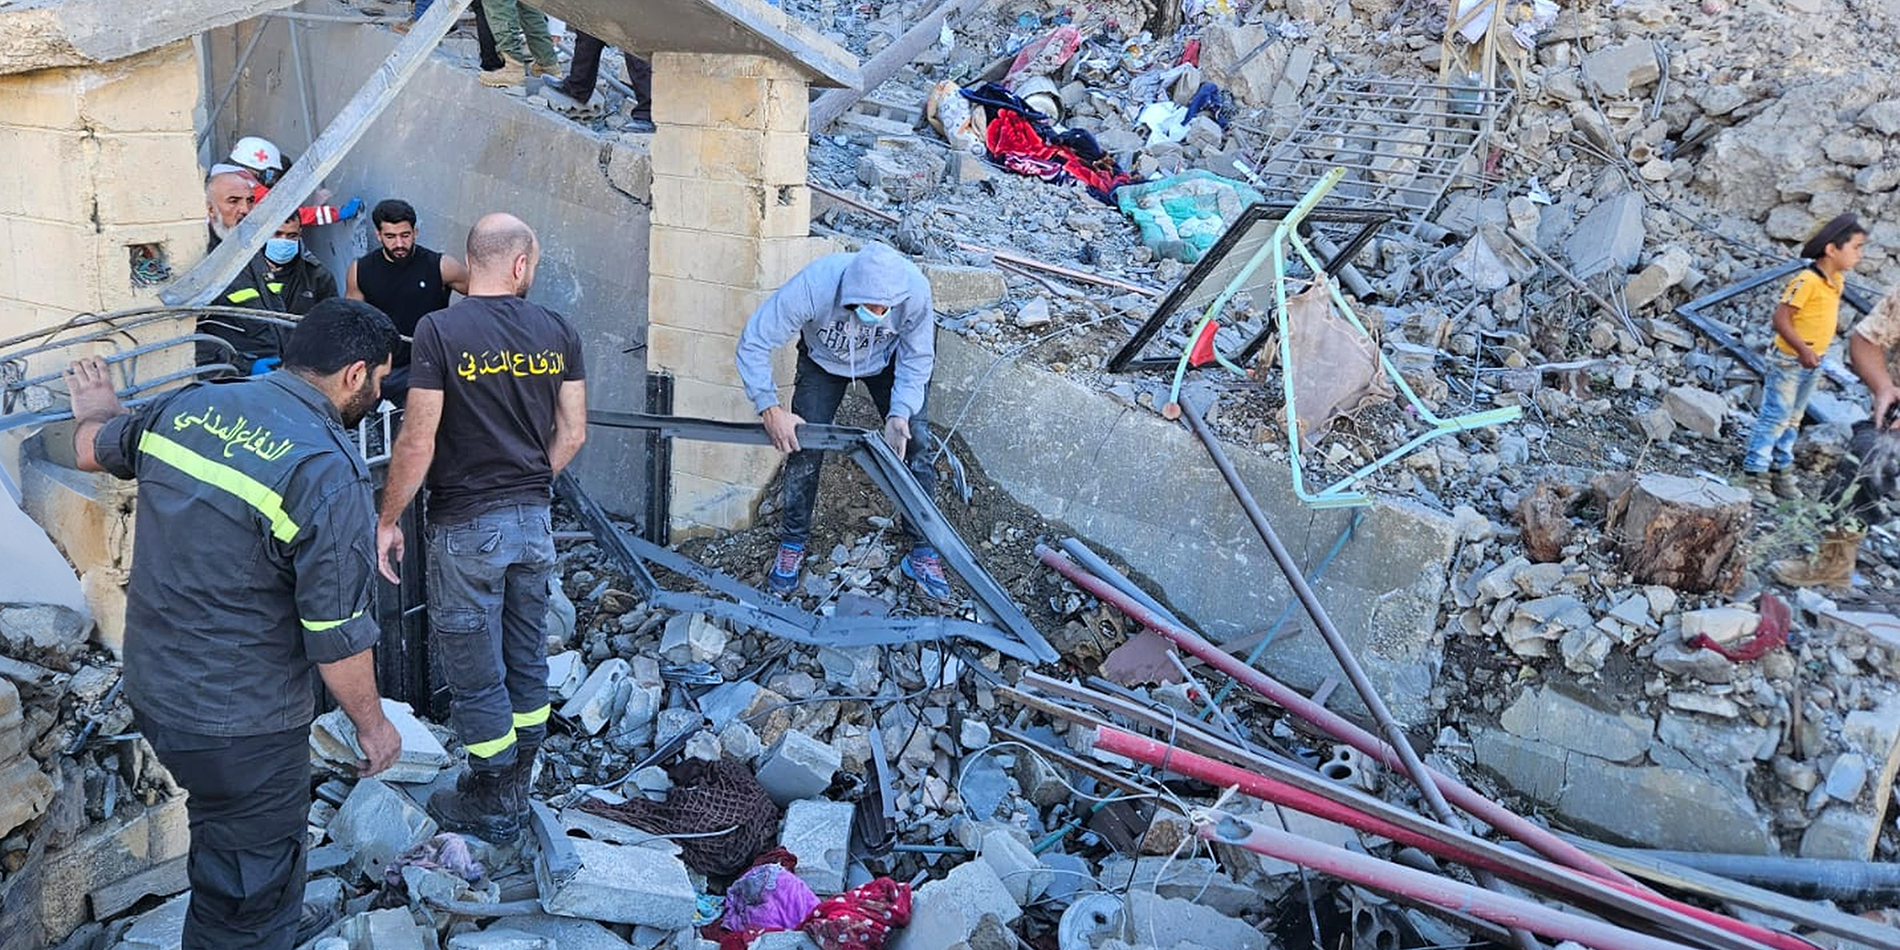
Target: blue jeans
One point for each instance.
(488, 606)
(1784, 400)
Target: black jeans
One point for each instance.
(584, 71)
(485, 39)
(249, 804)
(816, 394)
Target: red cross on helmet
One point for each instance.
(257, 154)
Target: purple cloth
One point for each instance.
(768, 897)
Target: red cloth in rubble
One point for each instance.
(1014, 142)
(861, 918)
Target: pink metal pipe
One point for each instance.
(1333, 724)
(1426, 887)
(1227, 775)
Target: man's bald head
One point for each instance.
(228, 198)
(502, 254)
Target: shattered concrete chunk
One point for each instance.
(1196, 879)
(566, 933)
(1841, 832)
(1616, 71)
(1551, 716)
(1610, 237)
(905, 168)
(1153, 920)
(593, 702)
(566, 672)
(1696, 409)
(798, 766)
(162, 928)
(957, 289)
(819, 833)
(1021, 872)
(500, 937)
(377, 824)
(944, 912)
(1846, 777)
(692, 638)
(627, 885)
(333, 738)
(1724, 625)
(392, 929)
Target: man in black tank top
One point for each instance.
(404, 280)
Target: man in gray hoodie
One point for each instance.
(863, 316)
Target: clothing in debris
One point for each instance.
(723, 813)
(861, 918)
(255, 530)
(767, 897)
(291, 288)
(1022, 140)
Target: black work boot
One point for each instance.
(482, 803)
(521, 778)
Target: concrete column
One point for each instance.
(730, 223)
(94, 162)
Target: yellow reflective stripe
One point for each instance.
(245, 294)
(493, 747)
(219, 475)
(275, 287)
(318, 626)
(532, 717)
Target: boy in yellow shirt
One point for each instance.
(1805, 323)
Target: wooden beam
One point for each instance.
(204, 282)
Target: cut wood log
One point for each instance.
(1686, 533)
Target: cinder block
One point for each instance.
(781, 257)
(48, 174)
(737, 464)
(701, 306)
(708, 101)
(36, 245)
(154, 91)
(711, 400)
(686, 352)
(718, 207)
(786, 158)
(788, 106)
(43, 99)
(148, 178)
(702, 255)
(724, 66)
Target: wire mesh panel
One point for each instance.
(1400, 140)
(1247, 316)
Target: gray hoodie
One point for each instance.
(814, 304)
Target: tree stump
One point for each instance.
(1686, 533)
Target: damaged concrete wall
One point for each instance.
(1142, 488)
(456, 151)
(97, 167)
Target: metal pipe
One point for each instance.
(1331, 722)
(1100, 568)
(1709, 928)
(1335, 641)
(1812, 878)
(1514, 912)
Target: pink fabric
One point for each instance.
(767, 897)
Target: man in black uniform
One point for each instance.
(402, 279)
(283, 279)
(252, 568)
(497, 408)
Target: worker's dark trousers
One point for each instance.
(249, 806)
(488, 607)
(816, 394)
(584, 72)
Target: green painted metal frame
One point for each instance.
(1339, 493)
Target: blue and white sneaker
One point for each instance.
(782, 579)
(924, 566)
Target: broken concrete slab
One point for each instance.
(161, 928)
(333, 739)
(904, 168)
(955, 289)
(1088, 461)
(378, 823)
(1156, 921)
(501, 937)
(36, 36)
(1842, 832)
(1696, 409)
(43, 612)
(1018, 867)
(566, 672)
(627, 885)
(819, 833)
(593, 703)
(1724, 625)
(692, 638)
(798, 766)
(1616, 71)
(1549, 715)
(25, 791)
(943, 912)
(1609, 239)
(1196, 879)
(394, 928)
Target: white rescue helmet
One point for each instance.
(259, 155)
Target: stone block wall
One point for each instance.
(96, 161)
(730, 223)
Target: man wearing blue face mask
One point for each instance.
(865, 316)
(283, 278)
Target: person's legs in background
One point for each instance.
(640, 77)
(816, 394)
(584, 71)
(534, 32)
(485, 40)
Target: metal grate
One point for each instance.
(1400, 141)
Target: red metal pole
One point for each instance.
(1333, 724)
(1426, 887)
(1226, 775)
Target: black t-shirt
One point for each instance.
(406, 290)
(500, 363)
